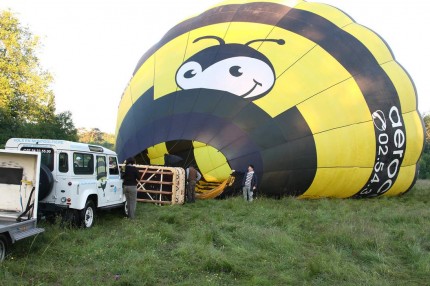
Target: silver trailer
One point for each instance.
(19, 189)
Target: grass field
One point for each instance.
(384, 241)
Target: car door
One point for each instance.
(102, 180)
(62, 178)
(115, 182)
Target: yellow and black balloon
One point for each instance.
(316, 102)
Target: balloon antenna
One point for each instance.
(278, 41)
(221, 41)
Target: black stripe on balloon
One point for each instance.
(142, 158)
(282, 148)
(183, 149)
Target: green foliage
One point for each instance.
(426, 120)
(24, 85)
(424, 163)
(58, 126)
(290, 241)
(27, 104)
(95, 136)
(424, 166)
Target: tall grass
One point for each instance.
(384, 241)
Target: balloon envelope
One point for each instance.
(316, 102)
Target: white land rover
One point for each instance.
(75, 178)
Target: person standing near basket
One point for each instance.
(193, 176)
(131, 178)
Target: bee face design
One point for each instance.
(234, 68)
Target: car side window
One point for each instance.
(63, 162)
(101, 167)
(83, 164)
(113, 166)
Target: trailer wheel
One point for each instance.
(4, 246)
(46, 181)
(88, 214)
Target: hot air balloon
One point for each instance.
(316, 102)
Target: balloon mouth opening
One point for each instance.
(208, 160)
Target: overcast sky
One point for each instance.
(92, 46)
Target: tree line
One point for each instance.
(424, 164)
(97, 137)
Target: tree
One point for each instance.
(424, 171)
(426, 120)
(95, 136)
(65, 126)
(59, 126)
(24, 85)
(27, 104)
(8, 126)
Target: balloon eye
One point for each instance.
(190, 74)
(234, 71)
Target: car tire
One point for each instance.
(46, 182)
(88, 215)
(4, 246)
(125, 209)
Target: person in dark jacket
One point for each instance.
(249, 184)
(131, 178)
(193, 176)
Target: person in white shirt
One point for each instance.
(249, 184)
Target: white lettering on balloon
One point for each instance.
(390, 152)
